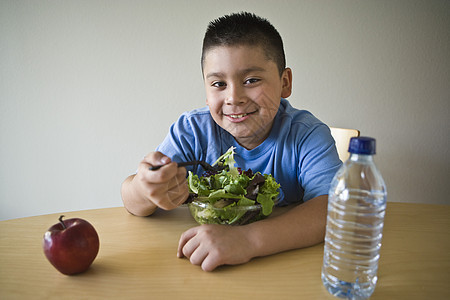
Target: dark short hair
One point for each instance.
(245, 29)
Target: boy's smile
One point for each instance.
(243, 91)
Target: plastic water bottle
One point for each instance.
(356, 209)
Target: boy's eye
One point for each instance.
(218, 84)
(251, 80)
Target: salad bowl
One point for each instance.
(231, 196)
(207, 213)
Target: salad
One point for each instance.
(231, 196)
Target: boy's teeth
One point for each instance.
(238, 116)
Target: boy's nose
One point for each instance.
(235, 95)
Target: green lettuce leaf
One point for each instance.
(229, 184)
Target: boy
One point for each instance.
(246, 85)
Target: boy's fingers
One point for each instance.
(168, 201)
(179, 180)
(198, 256)
(169, 195)
(156, 159)
(209, 263)
(162, 175)
(178, 194)
(185, 237)
(167, 173)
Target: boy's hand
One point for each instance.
(165, 188)
(210, 246)
(213, 245)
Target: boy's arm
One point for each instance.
(166, 187)
(213, 245)
(133, 202)
(302, 226)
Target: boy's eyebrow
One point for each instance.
(245, 71)
(214, 74)
(253, 69)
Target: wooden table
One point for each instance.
(137, 259)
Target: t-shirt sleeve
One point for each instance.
(179, 142)
(319, 162)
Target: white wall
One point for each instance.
(87, 88)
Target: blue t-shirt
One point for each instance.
(299, 152)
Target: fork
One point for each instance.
(204, 164)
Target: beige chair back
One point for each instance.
(342, 138)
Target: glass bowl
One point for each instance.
(206, 213)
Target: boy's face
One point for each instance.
(243, 91)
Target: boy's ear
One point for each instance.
(286, 79)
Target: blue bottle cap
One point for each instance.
(362, 145)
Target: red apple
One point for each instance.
(71, 245)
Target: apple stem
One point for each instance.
(61, 221)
